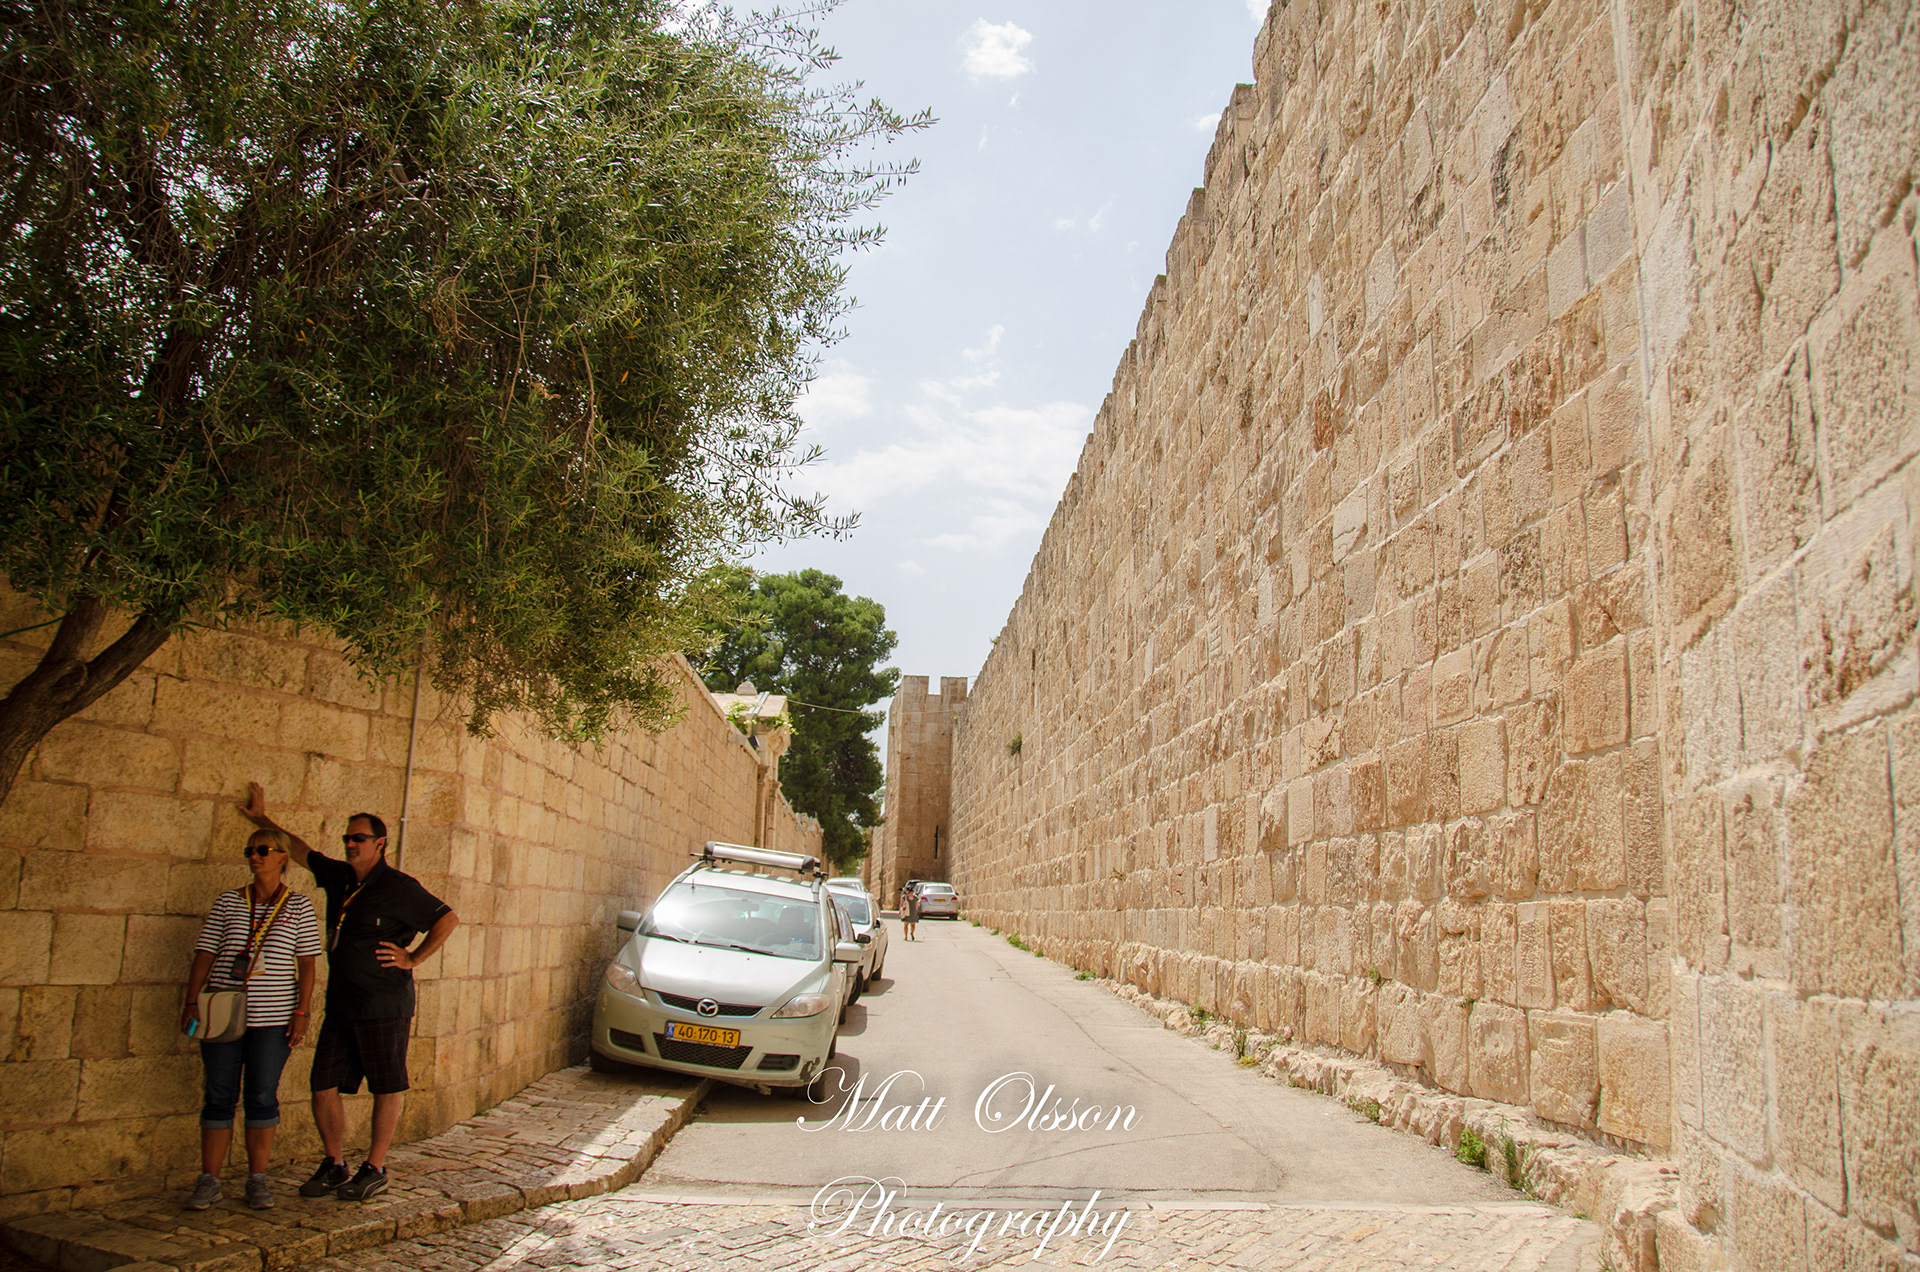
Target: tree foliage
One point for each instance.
(465, 328)
(800, 635)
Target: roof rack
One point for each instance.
(800, 863)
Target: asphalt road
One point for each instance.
(961, 1010)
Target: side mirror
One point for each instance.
(629, 920)
(863, 938)
(846, 952)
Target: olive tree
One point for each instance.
(468, 333)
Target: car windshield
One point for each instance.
(734, 919)
(856, 907)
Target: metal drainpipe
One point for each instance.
(406, 787)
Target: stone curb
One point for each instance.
(1631, 1198)
(569, 1135)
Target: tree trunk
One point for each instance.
(67, 682)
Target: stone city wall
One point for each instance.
(122, 830)
(1479, 635)
(916, 840)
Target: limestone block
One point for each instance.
(159, 948)
(26, 946)
(1857, 613)
(1448, 1043)
(1754, 896)
(1572, 983)
(1533, 749)
(1634, 1093)
(137, 822)
(1879, 1107)
(1733, 1063)
(324, 729)
(1844, 1246)
(65, 1155)
(39, 1092)
(1564, 1070)
(1766, 1220)
(236, 658)
(1582, 828)
(1848, 928)
(91, 881)
(44, 816)
(1483, 764)
(86, 949)
(1402, 1031)
(1805, 1103)
(190, 706)
(1617, 953)
(1779, 466)
(1699, 880)
(1596, 700)
(1499, 1053)
(1533, 955)
(78, 751)
(1644, 815)
(1700, 548)
(100, 1022)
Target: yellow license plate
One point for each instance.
(681, 1031)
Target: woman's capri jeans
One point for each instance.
(256, 1058)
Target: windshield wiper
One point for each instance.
(722, 945)
(662, 936)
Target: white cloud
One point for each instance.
(993, 52)
(1098, 221)
(837, 395)
(1005, 462)
(1204, 123)
(1257, 10)
(1063, 223)
(913, 569)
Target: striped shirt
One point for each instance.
(275, 992)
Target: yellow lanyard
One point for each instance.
(257, 934)
(340, 920)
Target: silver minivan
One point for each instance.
(738, 972)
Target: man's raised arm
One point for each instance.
(255, 811)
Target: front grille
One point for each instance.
(704, 1053)
(776, 1062)
(693, 1004)
(631, 1041)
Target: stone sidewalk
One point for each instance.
(635, 1231)
(572, 1134)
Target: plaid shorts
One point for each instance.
(349, 1050)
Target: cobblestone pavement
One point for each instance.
(630, 1230)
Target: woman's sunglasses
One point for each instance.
(258, 850)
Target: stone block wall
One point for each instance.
(1479, 634)
(916, 841)
(122, 830)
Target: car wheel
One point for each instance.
(815, 1092)
(606, 1064)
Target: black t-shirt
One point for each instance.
(388, 906)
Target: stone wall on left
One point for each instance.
(122, 830)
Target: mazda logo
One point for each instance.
(707, 1007)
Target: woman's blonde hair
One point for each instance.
(278, 838)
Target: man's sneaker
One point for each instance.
(330, 1176)
(369, 1183)
(206, 1191)
(259, 1196)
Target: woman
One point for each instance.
(909, 910)
(262, 938)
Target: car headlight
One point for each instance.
(802, 1005)
(623, 978)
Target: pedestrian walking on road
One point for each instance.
(374, 913)
(909, 911)
(255, 960)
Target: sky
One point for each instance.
(1015, 264)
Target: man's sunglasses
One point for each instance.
(357, 839)
(258, 850)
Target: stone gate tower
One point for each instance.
(913, 842)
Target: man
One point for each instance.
(374, 912)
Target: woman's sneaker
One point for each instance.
(330, 1176)
(206, 1191)
(259, 1196)
(369, 1183)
